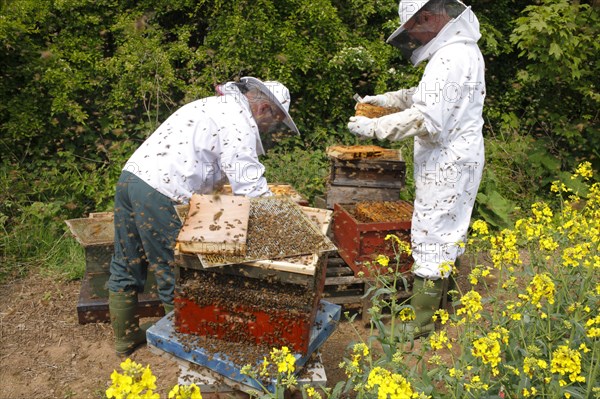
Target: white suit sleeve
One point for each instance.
(400, 99)
(239, 161)
(400, 125)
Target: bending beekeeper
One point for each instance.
(444, 115)
(198, 148)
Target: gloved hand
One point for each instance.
(362, 126)
(379, 100)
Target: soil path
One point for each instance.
(46, 353)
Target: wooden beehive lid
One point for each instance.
(215, 225)
(97, 229)
(342, 152)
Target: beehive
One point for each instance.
(225, 360)
(247, 310)
(360, 241)
(96, 235)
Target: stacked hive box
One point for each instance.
(246, 310)
(268, 303)
(360, 232)
(96, 235)
(361, 173)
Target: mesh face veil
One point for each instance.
(409, 9)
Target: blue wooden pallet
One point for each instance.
(163, 336)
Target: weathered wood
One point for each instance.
(342, 280)
(384, 173)
(339, 271)
(345, 300)
(360, 151)
(352, 195)
(279, 268)
(215, 225)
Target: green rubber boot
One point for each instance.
(426, 301)
(168, 307)
(125, 322)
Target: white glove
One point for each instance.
(380, 100)
(392, 99)
(362, 126)
(394, 127)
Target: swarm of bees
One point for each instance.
(383, 211)
(236, 302)
(277, 228)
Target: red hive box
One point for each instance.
(237, 308)
(359, 243)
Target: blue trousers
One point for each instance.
(146, 227)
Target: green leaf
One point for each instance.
(555, 50)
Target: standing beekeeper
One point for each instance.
(198, 148)
(444, 115)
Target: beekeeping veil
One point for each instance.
(408, 9)
(278, 94)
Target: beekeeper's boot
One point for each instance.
(168, 307)
(125, 322)
(426, 299)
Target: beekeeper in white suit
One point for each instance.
(200, 146)
(444, 115)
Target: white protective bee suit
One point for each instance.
(444, 115)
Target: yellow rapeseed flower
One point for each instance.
(480, 227)
(439, 340)
(541, 287)
(382, 260)
(592, 327)
(403, 246)
(311, 392)
(573, 256)
(389, 385)
(471, 302)
(185, 392)
(488, 350)
(135, 382)
(504, 250)
(406, 314)
(284, 360)
(442, 314)
(584, 170)
(476, 384)
(567, 361)
(558, 187)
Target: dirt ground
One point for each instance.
(46, 353)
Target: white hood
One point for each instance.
(462, 29)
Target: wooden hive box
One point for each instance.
(362, 173)
(360, 242)
(246, 310)
(96, 235)
(269, 302)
